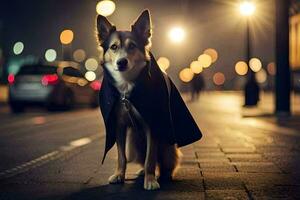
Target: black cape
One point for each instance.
(164, 111)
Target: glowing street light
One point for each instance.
(66, 36)
(255, 64)
(90, 75)
(50, 55)
(18, 48)
(247, 8)
(205, 60)
(163, 63)
(196, 67)
(186, 75)
(105, 7)
(241, 68)
(177, 34)
(91, 64)
(79, 55)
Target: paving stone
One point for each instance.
(222, 181)
(256, 167)
(245, 157)
(274, 192)
(210, 155)
(213, 159)
(239, 150)
(226, 194)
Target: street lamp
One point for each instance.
(247, 8)
(177, 34)
(105, 7)
(66, 38)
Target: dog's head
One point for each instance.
(125, 53)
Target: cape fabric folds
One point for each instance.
(166, 113)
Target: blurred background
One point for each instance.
(224, 41)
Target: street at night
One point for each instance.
(244, 155)
(150, 100)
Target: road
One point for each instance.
(244, 154)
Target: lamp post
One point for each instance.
(251, 89)
(66, 38)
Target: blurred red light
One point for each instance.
(49, 79)
(11, 78)
(96, 85)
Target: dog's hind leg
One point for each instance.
(168, 161)
(119, 175)
(150, 182)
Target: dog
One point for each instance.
(130, 116)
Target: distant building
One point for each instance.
(295, 35)
(295, 41)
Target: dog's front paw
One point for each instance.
(116, 179)
(150, 183)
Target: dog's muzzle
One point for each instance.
(122, 64)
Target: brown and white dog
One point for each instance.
(125, 55)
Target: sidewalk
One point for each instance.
(237, 158)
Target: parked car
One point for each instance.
(52, 86)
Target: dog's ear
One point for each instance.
(142, 27)
(104, 28)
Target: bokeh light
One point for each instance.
(91, 64)
(255, 64)
(66, 36)
(90, 75)
(212, 53)
(18, 48)
(50, 55)
(105, 7)
(11, 78)
(196, 67)
(205, 60)
(79, 55)
(241, 68)
(163, 63)
(247, 8)
(177, 34)
(261, 76)
(271, 67)
(219, 78)
(186, 75)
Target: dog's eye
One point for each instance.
(131, 46)
(113, 47)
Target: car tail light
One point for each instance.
(11, 79)
(49, 79)
(96, 85)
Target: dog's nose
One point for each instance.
(122, 64)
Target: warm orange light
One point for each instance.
(105, 7)
(261, 76)
(212, 53)
(66, 37)
(255, 64)
(163, 63)
(205, 60)
(247, 8)
(241, 68)
(196, 67)
(271, 68)
(79, 55)
(219, 78)
(186, 75)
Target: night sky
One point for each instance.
(208, 23)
